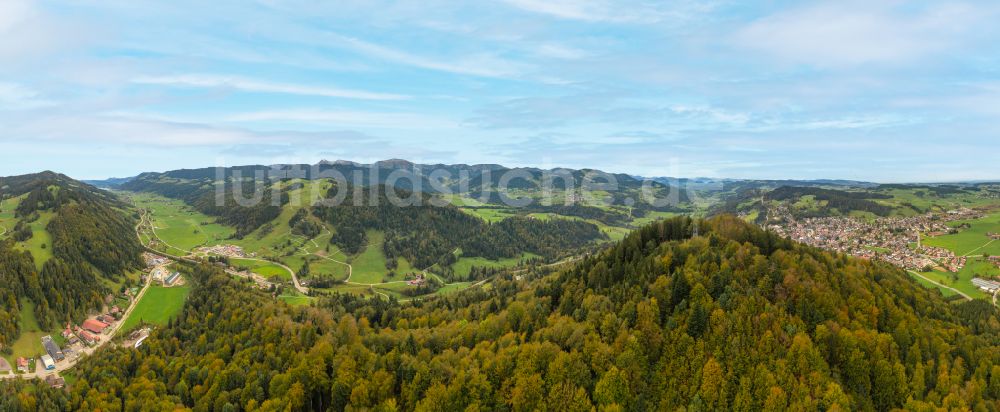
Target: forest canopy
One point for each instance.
(732, 319)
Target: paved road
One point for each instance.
(108, 335)
(943, 286)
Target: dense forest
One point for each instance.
(733, 319)
(91, 238)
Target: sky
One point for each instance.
(886, 91)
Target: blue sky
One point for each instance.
(872, 90)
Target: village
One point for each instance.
(95, 331)
(896, 240)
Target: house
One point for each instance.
(88, 338)
(48, 363)
(22, 365)
(95, 325)
(4, 366)
(55, 381)
(52, 349)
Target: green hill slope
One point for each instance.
(734, 319)
(68, 241)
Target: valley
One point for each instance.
(614, 292)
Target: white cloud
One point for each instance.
(612, 11)
(849, 33)
(198, 80)
(347, 118)
(27, 32)
(480, 64)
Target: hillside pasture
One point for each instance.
(157, 306)
(369, 265)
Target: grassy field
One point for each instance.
(614, 233)
(29, 343)
(974, 267)
(263, 268)
(319, 266)
(294, 298)
(453, 288)
(359, 290)
(40, 243)
(945, 292)
(157, 306)
(929, 201)
(369, 265)
(972, 241)
(465, 264)
(652, 217)
(180, 226)
(7, 218)
(490, 214)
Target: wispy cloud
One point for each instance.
(233, 82)
(347, 118)
(479, 64)
(17, 97)
(848, 33)
(613, 11)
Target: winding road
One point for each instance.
(946, 287)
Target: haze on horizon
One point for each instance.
(885, 91)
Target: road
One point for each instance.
(106, 337)
(943, 286)
(974, 250)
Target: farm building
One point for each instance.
(988, 286)
(88, 338)
(48, 363)
(170, 280)
(95, 325)
(52, 349)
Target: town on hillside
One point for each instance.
(896, 240)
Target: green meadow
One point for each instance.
(369, 265)
(972, 241)
(975, 266)
(464, 264)
(157, 306)
(180, 226)
(40, 243)
(263, 268)
(29, 343)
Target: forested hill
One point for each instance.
(60, 238)
(733, 319)
(480, 181)
(426, 234)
